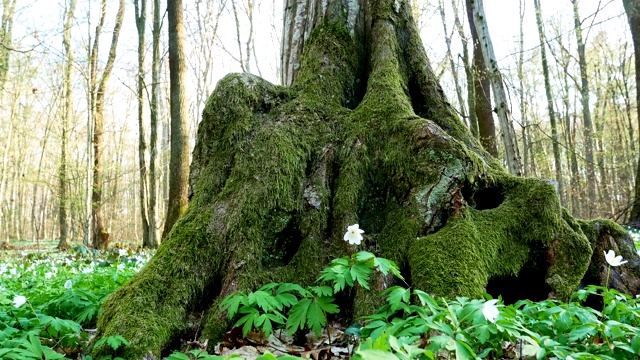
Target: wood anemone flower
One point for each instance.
(353, 234)
(614, 260)
(19, 300)
(490, 310)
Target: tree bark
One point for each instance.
(100, 234)
(63, 201)
(366, 137)
(508, 135)
(632, 8)
(154, 236)
(452, 64)
(552, 114)
(140, 14)
(468, 70)
(482, 92)
(179, 163)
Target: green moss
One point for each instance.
(159, 293)
(527, 227)
(278, 174)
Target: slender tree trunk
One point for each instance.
(100, 234)
(512, 155)
(552, 114)
(632, 8)
(63, 198)
(523, 105)
(600, 114)
(468, 70)
(482, 92)
(624, 90)
(586, 113)
(35, 189)
(179, 164)
(141, 23)
(575, 178)
(6, 38)
(452, 64)
(154, 238)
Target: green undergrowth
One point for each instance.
(414, 325)
(50, 301)
(49, 304)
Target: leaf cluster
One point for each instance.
(296, 308)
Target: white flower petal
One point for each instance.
(614, 260)
(353, 234)
(490, 310)
(19, 300)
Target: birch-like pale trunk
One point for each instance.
(508, 135)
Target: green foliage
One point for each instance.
(114, 342)
(63, 292)
(304, 308)
(410, 325)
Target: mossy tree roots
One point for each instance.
(362, 137)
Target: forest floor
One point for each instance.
(50, 300)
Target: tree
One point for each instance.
(502, 107)
(364, 135)
(63, 200)
(586, 112)
(552, 113)
(154, 237)
(632, 8)
(452, 64)
(481, 91)
(6, 38)
(98, 88)
(148, 233)
(179, 163)
(473, 118)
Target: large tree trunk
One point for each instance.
(364, 135)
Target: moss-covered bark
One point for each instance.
(278, 173)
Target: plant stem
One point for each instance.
(606, 284)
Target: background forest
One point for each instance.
(70, 71)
